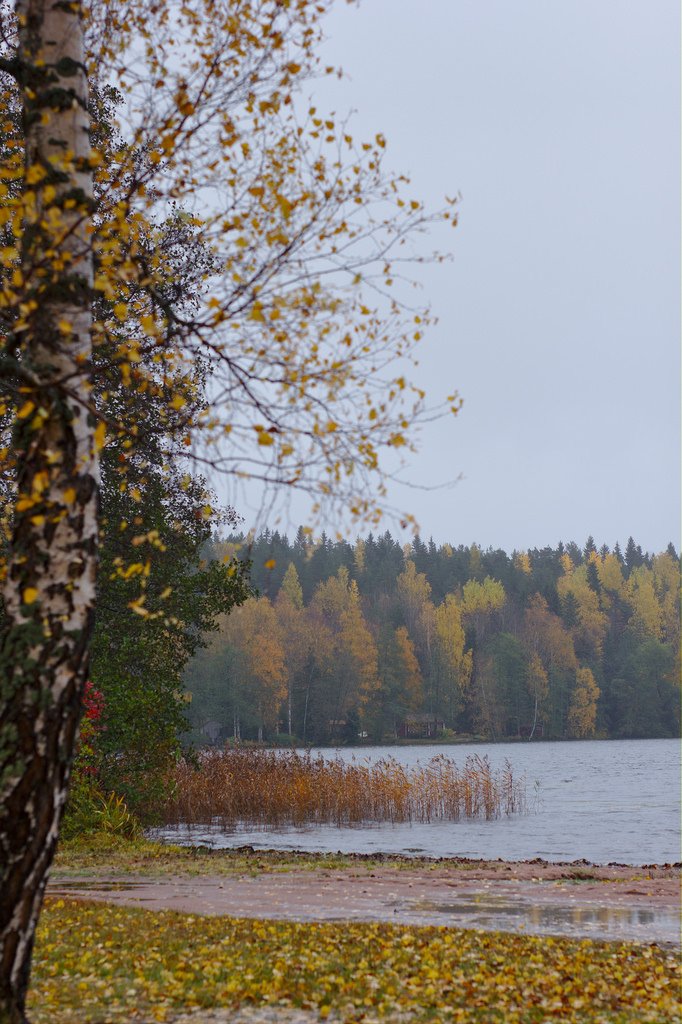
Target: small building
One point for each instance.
(420, 727)
(212, 730)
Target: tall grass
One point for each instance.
(270, 788)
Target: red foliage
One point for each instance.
(87, 759)
(93, 703)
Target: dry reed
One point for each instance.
(270, 788)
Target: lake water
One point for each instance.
(604, 801)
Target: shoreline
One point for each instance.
(612, 902)
(248, 850)
(143, 854)
(461, 740)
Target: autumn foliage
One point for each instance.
(99, 962)
(370, 638)
(91, 726)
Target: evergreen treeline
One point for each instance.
(376, 640)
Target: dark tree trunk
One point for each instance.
(50, 583)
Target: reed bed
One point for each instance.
(271, 788)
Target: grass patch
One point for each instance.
(96, 963)
(270, 788)
(105, 854)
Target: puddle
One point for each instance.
(533, 913)
(96, 886)
(498, 913)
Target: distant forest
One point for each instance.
(373, 641)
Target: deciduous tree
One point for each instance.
(293, 319)
(254, 631)
(451, 661)
(293, 626)
(414, 591)
(546, 637)
(401, 687)
(352, 675)
(646, 620)
(591, 623)
(49, 590)
(582, 713)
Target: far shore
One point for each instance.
(436, 741)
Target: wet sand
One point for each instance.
(612, 902)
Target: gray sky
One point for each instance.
(559, 316)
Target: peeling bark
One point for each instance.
(50, 585)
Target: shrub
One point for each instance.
(91, 810)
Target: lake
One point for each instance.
(601, 800)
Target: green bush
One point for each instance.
(89, 812)
(80, 814)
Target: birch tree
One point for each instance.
(296, 317)
(582, 713)
(49, 588)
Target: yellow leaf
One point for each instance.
(100, 436)
(69, 495)
(35, 174)
(285, 206)
(270, 564)
(30, 595)
(26, 410)
(120, 311)
(177, 402)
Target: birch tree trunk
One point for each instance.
(50, 584)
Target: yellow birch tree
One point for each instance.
(255, 631)
(117, 115)
(582, 713)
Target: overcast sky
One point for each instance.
(559, 316)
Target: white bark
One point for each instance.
(49, 591)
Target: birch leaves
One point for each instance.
(301, 237)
